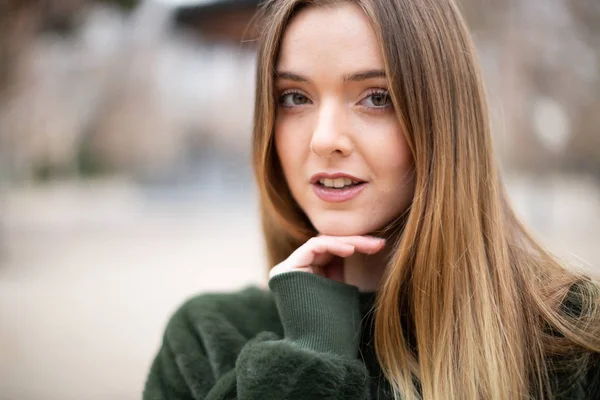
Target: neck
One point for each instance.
(365, 271)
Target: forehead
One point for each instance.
(336, 37)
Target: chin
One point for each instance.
(341, 226)
(349, 224)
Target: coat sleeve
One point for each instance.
(315, 358)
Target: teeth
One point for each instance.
(337, 182)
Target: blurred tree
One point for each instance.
(126, 5)
(545, 51)
(18, 19)
(22, 20)
(534, 54)
(584, 150)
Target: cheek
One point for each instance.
(400, 168)
(283, 144)
(402, 159)
(289, 144)
(388, 153)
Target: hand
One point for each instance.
(323, 255)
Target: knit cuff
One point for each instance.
(318, 313)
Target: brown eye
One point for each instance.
(379, 99)
(293, 99)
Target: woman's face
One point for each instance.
(336, 125)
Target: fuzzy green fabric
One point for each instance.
(307, 338)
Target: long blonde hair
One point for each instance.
(481, 296)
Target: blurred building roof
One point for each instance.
(219, 20)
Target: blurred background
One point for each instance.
(124, 167)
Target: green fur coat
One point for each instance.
(307, 338)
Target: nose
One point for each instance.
(330, 135)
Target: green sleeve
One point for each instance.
(313, 356)
(318, 313)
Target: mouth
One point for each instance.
(338, 183)
(337, 180)
(336, 188)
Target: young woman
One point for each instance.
(400, 270)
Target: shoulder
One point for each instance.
(203, 339)
(582, 298)
(245, 312)
(593, 374)
(582, 305)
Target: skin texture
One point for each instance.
(328, 123)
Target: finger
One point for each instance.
(315, 249)
(363, 244)
(323, 248)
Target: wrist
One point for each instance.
(318, 313)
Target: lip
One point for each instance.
(337, 195)
(332, 195)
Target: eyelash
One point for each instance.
(372, 92)
(378, 92)
(288, 92)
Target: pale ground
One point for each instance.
(90, 273)
(90, 276)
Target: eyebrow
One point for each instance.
(355, 77)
